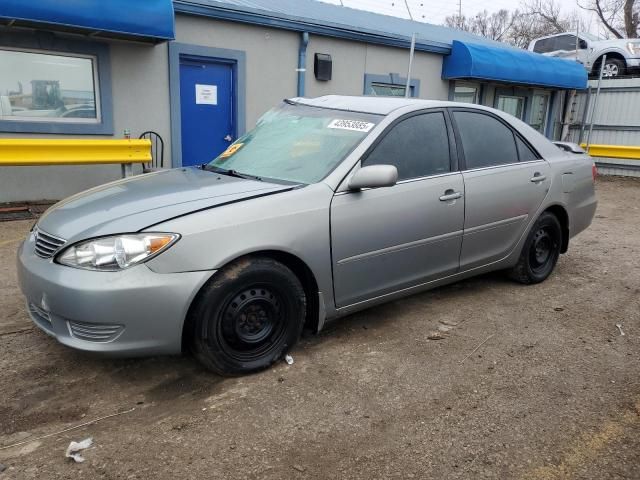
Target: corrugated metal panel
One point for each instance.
(616, 120)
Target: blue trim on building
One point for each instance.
(140, 19)
(178, 50)
(47, 42)
(288, 22)
(391, 79)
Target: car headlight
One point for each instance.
(634, 48)
(116, 252)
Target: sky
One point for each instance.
(435, 11)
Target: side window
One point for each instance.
(565, 42)
(542, 46)
(418, 146)
(524, 152)
(485, 140)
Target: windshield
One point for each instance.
(296, 143)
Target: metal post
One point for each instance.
(577, 39)
(407, 89)
(595, 101)
(126, 169)
(583, 122)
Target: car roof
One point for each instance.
(370, 104)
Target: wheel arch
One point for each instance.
(299, 268)
(563, 217)
(610, 54)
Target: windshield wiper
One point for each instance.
(231, 172)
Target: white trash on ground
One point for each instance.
(75, 447)
(288, 359)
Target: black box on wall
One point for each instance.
(322, 66)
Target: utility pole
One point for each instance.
(460, 14)
(406, 3)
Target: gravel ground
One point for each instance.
(551, 392)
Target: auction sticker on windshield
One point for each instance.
(355, 125)
(231, 150)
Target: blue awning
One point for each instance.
(150, 20)
(510, 65)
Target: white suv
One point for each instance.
(623, 54)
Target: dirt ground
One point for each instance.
(551, 392)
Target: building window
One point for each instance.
(48, 87)
(511, 104)
(539, 111)
(55, 85)
(388, 90)
(391, 85)
(465, 94)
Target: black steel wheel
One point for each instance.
(247, 317)
(540, 252)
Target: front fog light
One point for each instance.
(116, 252)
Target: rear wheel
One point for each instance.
(540, 252)
(247, 317)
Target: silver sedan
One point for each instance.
(329, 206)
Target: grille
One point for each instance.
(39, 315)
(93, 332)
(46, 244)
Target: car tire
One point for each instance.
(540, 252)
(247, 316)
(613, 68)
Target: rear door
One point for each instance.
(505, 183)
(387, 239)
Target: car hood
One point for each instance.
(135, 203)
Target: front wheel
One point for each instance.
(613, 67)
(540, 252)
(247, 317)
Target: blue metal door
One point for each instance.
(207, 103)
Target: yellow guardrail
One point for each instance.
(613, 151)
(40, 151)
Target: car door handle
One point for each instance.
(537, 178)
(228, 138)
(450, 195)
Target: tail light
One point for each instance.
(594, 172)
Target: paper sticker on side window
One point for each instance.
(355, 125)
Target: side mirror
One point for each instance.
(374, 176)
(582, 45)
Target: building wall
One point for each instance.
(272, 57)
(351, 60)
(140, 90)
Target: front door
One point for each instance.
(207, 104)
(387, 239)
